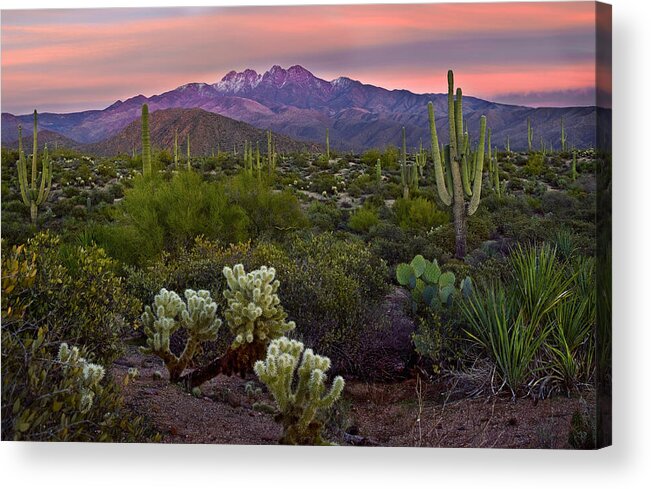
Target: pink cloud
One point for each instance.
(122, 57)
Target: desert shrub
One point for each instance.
(324, 216)
(559, 204)
(270, 214)
(363, 219)
(79, 298)
(535, 164)
(363, 184)
(395, 245)
(330, 288)
(370, 157)
(157, 215)
(323, 182)
(419, 214)
(49, 397)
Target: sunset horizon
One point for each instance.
(78, 59)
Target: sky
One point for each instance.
(537, 54)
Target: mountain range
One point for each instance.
(301, 106)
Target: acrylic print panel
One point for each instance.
(370, 225)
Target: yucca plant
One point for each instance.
(498, 324)
(565, 242)
(540, 281)
(568, 341)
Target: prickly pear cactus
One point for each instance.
(428, 284)
(254, 313)
(299, 407)
(86, 375)
(168, 314)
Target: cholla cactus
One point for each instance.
(87, 375)
(254, 312)
(169, 313)
(298, 407)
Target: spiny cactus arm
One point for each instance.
(46, 178)
(87, 376)
(490, 159)
(462, 148)
(176, 148)
(439, 177)
(34, 150)
(160, 322)
(448, 168)
(22, 168)
(328, 143)
(254, 312)
(451, 124)
(465, 172)
(476, 191)
(199, 319)
(146, 141)
(189, 163)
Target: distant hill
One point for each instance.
(300, 105)
(207, 131)
(53, 140)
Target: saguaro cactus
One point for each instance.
(529, 134)
(32, 195)
(328, 144)
(456, 155)
(176, 148)
(299, 407)
(496, 176)
(189, 158)
(563, 137)
(574, 173)
(146, 142)
(378, 170)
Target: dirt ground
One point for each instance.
(406, 413)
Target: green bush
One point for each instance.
(419, 214)
(363, 219)
(270, 214)
(535, 164)
(330, 287)
(156, 215)
(324, 216)
(43, 305)
(78, 297)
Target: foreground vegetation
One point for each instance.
(493, 250)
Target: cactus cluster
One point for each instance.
(168, 314)
(299, 402)
(428, 284)
(86, 375)
(461, 174)
(32, 195)
(254, 313)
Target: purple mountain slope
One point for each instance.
(295, 102)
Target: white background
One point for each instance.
(627, 464)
